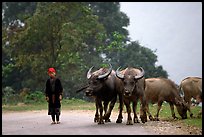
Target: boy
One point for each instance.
(53, 93)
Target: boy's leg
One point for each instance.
(53, 119)
(57, 115)
(57, 118)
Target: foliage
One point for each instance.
(35, 97)
(111, 17)
(70, 36)
(136, 55)
(13, 11)
(9, 96)
(114, 22)
(26, 96)
(52, 37)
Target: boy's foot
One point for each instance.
(58, 122)
(53, 122)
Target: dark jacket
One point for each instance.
(57, 90)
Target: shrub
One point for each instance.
(35, 97)
(9, 96)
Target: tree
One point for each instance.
(114, 22)
(16, 11)
(136, 55)
(70, 36)
(55, 36)
(111, 17)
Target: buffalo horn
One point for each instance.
(89, 72)
(107, 73)
(81, 88)
(141, 74)
(118, 74)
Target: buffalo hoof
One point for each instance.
(191, 115)
(107, 120)
(156, 119)
(151, 118)
(129, 122)
(101, 122)
(143, 119)
(96, 119)
(136, 121)
(175, 117)
(119, 121)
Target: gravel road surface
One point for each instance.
(79, 122)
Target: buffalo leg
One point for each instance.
(111, 106)
(188, 100)
(120, 116)
(150, 115)
(105, 105)
(129, 119)
(143, 115)
(105, 110)
(172, 110)
(189, 108)
(158, 109)
(107, 113)
(96, 119)
(134, 107)
(101, 112)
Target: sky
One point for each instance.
(173, 30)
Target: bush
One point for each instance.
(35, 97)
(9, 96)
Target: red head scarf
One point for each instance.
(51, 72)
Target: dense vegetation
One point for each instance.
(70, 36)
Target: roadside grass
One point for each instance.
(24, 107)
(165, 114)
(79, 104)
(66, 104)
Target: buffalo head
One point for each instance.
(181, 108)
(130, 77)
(96, 80)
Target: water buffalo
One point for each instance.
(158, 90)
(133, 89)
(104, 86)
(191, 87)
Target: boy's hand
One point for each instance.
(47, 99)
(60, 97)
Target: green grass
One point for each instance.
(24, 107)
(165, 114)
(67, 104)
(78, 104)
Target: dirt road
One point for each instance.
(80, 122)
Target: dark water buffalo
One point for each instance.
(191, 87)
(104, 86)
(158, 90)
(134, 84)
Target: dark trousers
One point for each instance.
(53, 117)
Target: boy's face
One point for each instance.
(52, 74)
